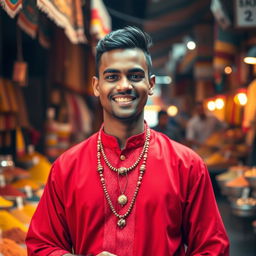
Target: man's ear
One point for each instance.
(95, 86)
(152, 81)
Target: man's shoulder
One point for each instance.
(176, 148)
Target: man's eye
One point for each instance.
(136, 77)
(111, 77)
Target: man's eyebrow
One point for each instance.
(136, 70)
(109, 70)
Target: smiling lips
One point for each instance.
(123, 99)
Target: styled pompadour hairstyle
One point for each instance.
(126, 38)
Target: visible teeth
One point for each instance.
(122, 99)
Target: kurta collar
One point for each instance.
(134, 141)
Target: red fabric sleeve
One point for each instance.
(202, 225)
(48, 231)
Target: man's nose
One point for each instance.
(124, 84)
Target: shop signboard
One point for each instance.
(245, 13)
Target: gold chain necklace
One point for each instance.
(122, 217)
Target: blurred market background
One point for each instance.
(203, 50)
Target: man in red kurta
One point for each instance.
(127, 190)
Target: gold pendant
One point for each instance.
(122, 199)
(121, 223)
(122, 170)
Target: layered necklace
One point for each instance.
(122, 199)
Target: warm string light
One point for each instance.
(241, 98)
(172, 110)
(219, 103)
(191, 45)
(216, 104)
(211, 105)
(250, 57)
(228, 70)
(250, 60)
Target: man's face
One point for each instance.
(123, 85)
(200, 110)
(163, 120)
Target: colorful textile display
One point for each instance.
(249, 122)
(225, 48)
(4, 104)
(22, 117)
(44, 31)
(63, 133)
(250, 107)
(28, 18)
(11, 96)
(234, 112)
(51, 137)
(86, 118)
(13, 110)
(20, 142)
(68, 15)
(100, 19)
(79, 117)
(74, 76)
(12, 7)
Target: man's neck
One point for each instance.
(122, 130)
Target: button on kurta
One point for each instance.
(122, 157)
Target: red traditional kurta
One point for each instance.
(175, 204)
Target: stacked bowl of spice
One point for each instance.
(244, 207)
(250, 176)
(236, 187)
(231, 174)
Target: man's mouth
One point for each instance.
(123, 98)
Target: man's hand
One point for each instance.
(106, 254)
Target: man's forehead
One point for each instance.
(123, 58)
(130, 53)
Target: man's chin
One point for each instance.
(127, 118)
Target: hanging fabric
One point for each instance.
(249, 122)
(100, 19)
(20, 70)
(22, 117)
(4, 104)
(68, 15)
(20, 142)
(225, 48)
(44, 31)
(28, 18)
(12, 7)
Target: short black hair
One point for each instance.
(126, 38)
(162, 113)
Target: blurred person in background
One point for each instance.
(127, 190)
(201, 126)
(166, 126)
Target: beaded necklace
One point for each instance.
(122, 199)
